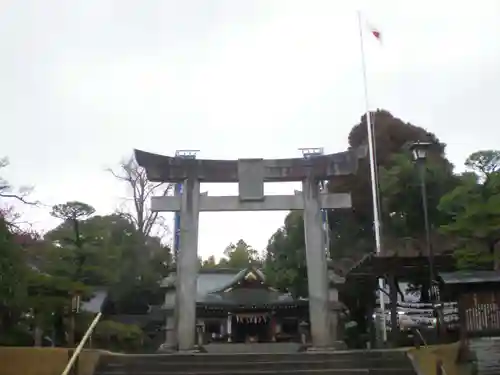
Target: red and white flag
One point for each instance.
(375, 32)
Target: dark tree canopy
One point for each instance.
(395, 170)
(72, 210)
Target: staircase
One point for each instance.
(374, 362)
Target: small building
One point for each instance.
(478, 297)
(240, 306)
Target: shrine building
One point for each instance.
(239, 306)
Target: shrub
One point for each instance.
(117, 336)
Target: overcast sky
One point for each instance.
(84, 82)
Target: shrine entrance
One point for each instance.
(253, 327)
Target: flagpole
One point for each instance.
(373, 175)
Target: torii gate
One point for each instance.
(250, 174)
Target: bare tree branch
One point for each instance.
(19, 198)
(6, 189)
(141, 190)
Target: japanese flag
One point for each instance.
(375, 32)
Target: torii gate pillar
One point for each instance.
(317, 269)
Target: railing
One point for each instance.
(440, 370)
(421, 337)
(82, 343)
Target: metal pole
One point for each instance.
(373, 175)
(430, 254)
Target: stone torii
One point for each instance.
(250, 174)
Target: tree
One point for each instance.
(474, 208)
(8, 192)
(13, 267)
(484, 163)
(30, 296)
(239, 255)
(48, 301)
(107, 245)
(209, 263)
(352, 230)
(285, 260)
(111, 260)
(13, 272)
(400, 186)
(141, 190)
(118, 336)
(72, 213)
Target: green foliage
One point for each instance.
(106, 241)
(114, 254)
(352, 230)
(472, 257)
(484, 163)
(285, 262)
(209, 263)
(12, 283)
(474, 209)
(239, 255)
(117, 336)
(107, 256)
(400, 185)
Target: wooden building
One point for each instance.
(478, 297)
(240, 306)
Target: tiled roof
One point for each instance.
(246, 296)
(95, 303)
(216, 277)
(470, 277)
(220, 288)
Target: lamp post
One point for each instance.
(419, 153)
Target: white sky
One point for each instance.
(83, 82)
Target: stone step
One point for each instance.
(263, 357)
(233, 348)
(303, 362)
(379, 371)
(378, 362)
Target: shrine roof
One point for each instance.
(208, 279)
(96, 301)
(229, 287)
(246, 297)
(470, 277)
(372, 265)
